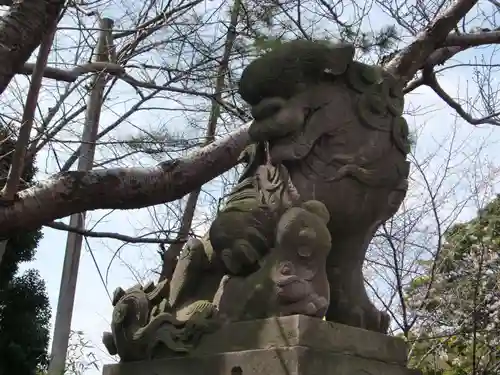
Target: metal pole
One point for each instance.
(71, 264)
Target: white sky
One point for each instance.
(93, 310)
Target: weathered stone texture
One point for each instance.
(292, 345)
(326, 167)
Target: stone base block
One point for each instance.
(293, 345)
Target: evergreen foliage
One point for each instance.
(461, 307)
(24, 304)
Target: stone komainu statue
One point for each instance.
(327, 167)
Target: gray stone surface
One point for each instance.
(301, 330)
(296, 360)
(293, 345)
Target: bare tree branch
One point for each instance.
(408, 61)
(156, 22)
(473, 39)
(438, 57)
(115, 236)
(169, 258)
(133, 188)
(119, 72)
(73, 74)
(431, 81)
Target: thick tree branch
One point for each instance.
(119, 72)
(73, 74)
(411, 59)
(121, 188)
(438, 57)
(22, 29)
(473, 39)
(454, 44)
(115, 236)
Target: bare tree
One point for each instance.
(162, 85)
(451, 181)
(134, 188)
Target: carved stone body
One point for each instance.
(348, 152)
(144, 326)
(291, 279)
(360, 174)
(328, 166)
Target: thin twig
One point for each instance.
(116, 236)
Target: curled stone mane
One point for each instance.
(284, 71)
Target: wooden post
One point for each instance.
(71, 264)
(170, 256)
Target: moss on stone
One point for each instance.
(291, 66)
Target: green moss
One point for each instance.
(288, 67)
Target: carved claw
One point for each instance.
(297, 295)
(367, 317)
(381, 322)
(109, 343)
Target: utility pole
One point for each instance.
(71, 264)
(169, 257)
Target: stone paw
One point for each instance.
(380, 322)
(290, 289)
(313, 305)
(241, 258)
(374, 319)
(364, 316)
(296, 296)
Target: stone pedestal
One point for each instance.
(292, 345)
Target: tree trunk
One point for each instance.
(22, 29)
